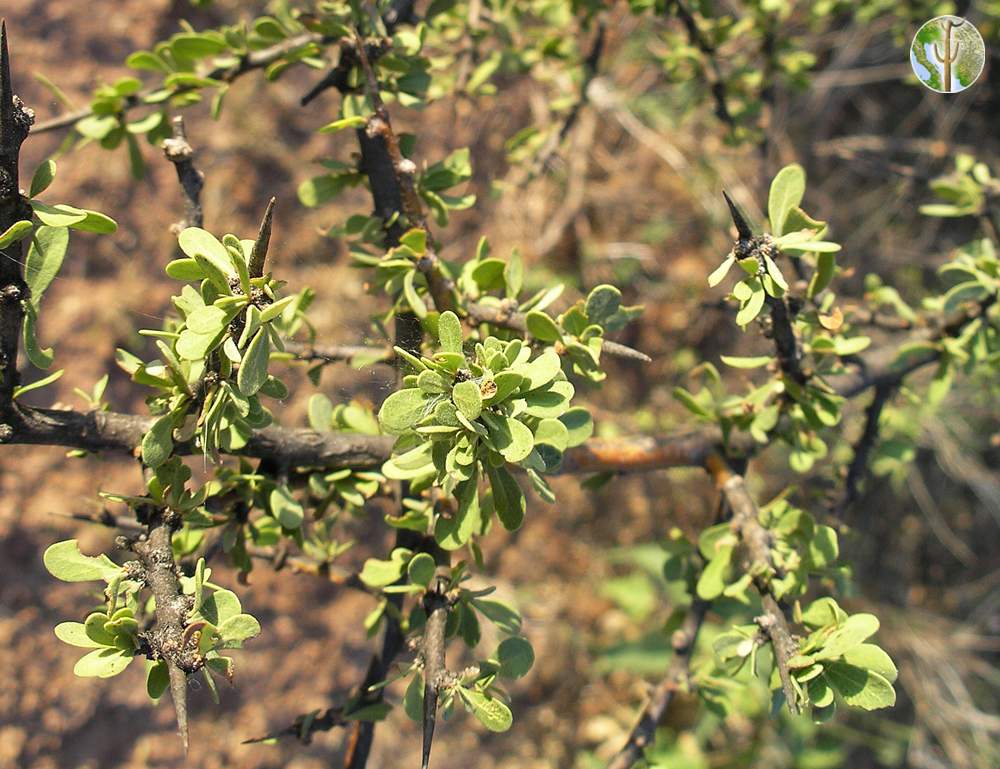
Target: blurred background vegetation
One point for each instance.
(633, 197)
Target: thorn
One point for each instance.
(259, 253)
(6, 90)
(430, 717)
(743, 228)
(178, 693)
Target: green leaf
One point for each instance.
(958, 295)
(413, 699)
(861, 688)
(402, 410)
(157, 679)
(513, 275)
(253, 368)
(185, 269)
(755, 362)
(602, 303)
(95, 221)
(15, 232)
(158, 442)
(39, 357)
(450, 332)
(826, 264)
(338, 125)
(102, 663)
(541, 370)
(468, 399)
(75, 634)
(219, 607)
(852, 632)
(751, 309)
(421, 569)
(721, 271)
(412, 297)
(874, 658)
(43, 177)
(542, 327)
(515, 656)
(59, 215)
(491, 712)
(512, 438)
(787, 189)
(377, 573)
(712, 581)
(286, 508)
(194, 241)
(64, 561)
(238, 629)
(45, 257)
(508, 499)
(275, 309)
(207, 320)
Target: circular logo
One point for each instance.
(947, 54)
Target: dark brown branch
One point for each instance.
(379, 128)
(179, 151)
(683, 642)
(15, 122)
(858, 468)
(714, 77)
(248, 62)
(110, 431)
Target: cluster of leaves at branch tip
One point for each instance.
(460, 420)
(47, 233)
(113, 633)
(214, 358)
(794, 409)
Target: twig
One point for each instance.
(858, 468)
(755, 541)
(179, 152)
(334, 353)
(716, 82)
(248, 62)
(15, 122)
(300, 564)
(683, 642)
(505, 317)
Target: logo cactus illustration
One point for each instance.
(947, 54)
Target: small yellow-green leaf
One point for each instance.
(253, 368)
(43, 177)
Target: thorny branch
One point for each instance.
(436, 606)
(277, 557)
(248, 62)
(168, 640)
(15, 122)
(756, 546)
